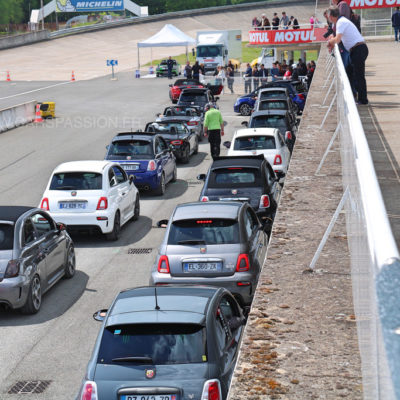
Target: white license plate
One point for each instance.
(150, 397)
(76, 205)
(202, 267)
(130, 167)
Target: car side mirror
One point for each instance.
(227, 144)
(163, 223)
(201, 177)
(131, 179)
(100, 315)
(60, 226)
(245, 123)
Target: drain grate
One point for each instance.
(190, 182)
(29, 387)
(140, 250)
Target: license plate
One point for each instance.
(76, 205)
(130, 167)
(202, 267)
(149, 397)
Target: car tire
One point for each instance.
(136, 209)
(196, 147)
(114, 234)
(34, 300)
(161, 187)
(185, 158)
(157, 75)
(70, 265)
(245, 109)
(175, 174)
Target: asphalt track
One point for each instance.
(56, 343)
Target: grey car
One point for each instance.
(217, 243)
(166, 343)
(35, 253)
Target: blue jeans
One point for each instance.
(396, 33)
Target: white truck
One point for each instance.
(214, 48)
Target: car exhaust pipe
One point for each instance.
(147, 187)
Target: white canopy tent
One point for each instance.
(169, 36)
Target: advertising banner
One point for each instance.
(287, 36)
(359, 4)
(91, 5)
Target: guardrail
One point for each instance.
(375, 264)
(20, 114)
(376, 27)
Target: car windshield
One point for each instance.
(209, 51)
(273, 105)
(6, 236)
(254, 143)
(128, 149)
(153, 344)
(234, 177)
(170, 128)
(268, 121)
(76, 181)
(204, 231)
(272, 93)
(193, 98)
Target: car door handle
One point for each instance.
(124, 193)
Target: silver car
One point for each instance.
(35, 253)
(212, 243)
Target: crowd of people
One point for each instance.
(283, 22)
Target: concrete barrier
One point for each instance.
(20, 114)
(24, 39)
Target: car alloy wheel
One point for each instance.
(196, 149)
(245, 109)
(161, 188)
(185, 158)
(71, 263)
(175, 174)
(114, 234)
(34, 299)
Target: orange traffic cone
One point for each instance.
(73, 77)
(38, 117)
(8, 76)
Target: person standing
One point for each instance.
(285, 20)
(396, 24)
(247, 79)
(265, 24)
(196, 70)
(188, 70)
(354, 43)
(213, 128)
(275, 22)
(254, 77)
(274, 72)
(263, 74)
(294, 23)
(170, 64)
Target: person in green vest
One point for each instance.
(213, 128)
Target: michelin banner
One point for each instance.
(93, 5)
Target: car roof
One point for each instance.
(12, 213)
(268, 112)
(272, 99)
(238, 161)
(183, 304)
(271, 89)
(195, 90)
(79, 166)
(133, 135)
(181, 82)
(255, 132)
(209, 209)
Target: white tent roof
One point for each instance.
(168, 36)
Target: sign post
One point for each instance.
(112, 63)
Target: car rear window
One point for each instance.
(254, 143)
(171, 128)
(273, 105)
(162, 343)
(185, 82)
(234, 177)
(272, 93)
(6, 236)
(204, 231)
(126, 149)
(268, 121)
(195, 98)
(76, 181)
(181, 111)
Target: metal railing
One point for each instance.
(375, 264)
(376, 27)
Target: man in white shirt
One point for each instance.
(354, 43)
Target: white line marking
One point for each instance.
(35, 90)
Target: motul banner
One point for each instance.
(357, 4)
(287, 36)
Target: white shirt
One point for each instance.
(350, 34)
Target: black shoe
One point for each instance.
(365, 102)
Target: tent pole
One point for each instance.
(151, 56)
(138, 59)
(187, 56)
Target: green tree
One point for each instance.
(11, 11)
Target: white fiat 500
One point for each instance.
(92, 194)
(266, 141)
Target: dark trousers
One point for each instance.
(358, 55)
(214, 138)
(247, 85)
(169, 73)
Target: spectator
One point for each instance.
(255, 23)
(294, 23)
(170, 65)
(344, 8)
(354, 43)
(188, 70)
(295, 74)
(263, 74)
(202, 69)
(275, 22)
(284, 65)
(329, 30)
(230, 78)
(284, 20)
(221, 76)
(302, 68)
(396, 24)
(247, 79)
(288, 74)
(274, 71)
(265, 24)
(310, 74)
(196, 70)
(254, 78)
(312, 21)
(312, 62)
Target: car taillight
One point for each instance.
(204, 198)
(192, 123)
(89, 391)
(44, 205)
(264, 201)
(12, 269)
(151, 166)
(243, 263)
(102, 204)
(176, 142)
(163, 265)
(211, 390)
(288, 135)
(278, 160)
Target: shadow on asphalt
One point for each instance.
(195, 160)
(59, 299)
